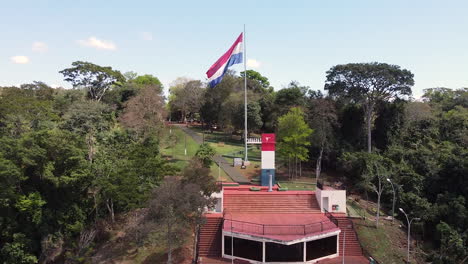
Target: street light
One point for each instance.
(393, 205)
(409, 230)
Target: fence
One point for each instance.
(266, 229)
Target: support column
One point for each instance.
(338, 244)
(263, 253)
(305, 251)
(222, 245)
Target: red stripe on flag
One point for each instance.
(214, 68)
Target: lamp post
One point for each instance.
(409, 231)
(393, 204)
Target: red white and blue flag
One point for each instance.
(219, 68)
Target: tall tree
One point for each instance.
(376, 174)
(96, 79)
(176, 206)
(322, 119)
(186, 97)
(368, 83)
(145, 113)
(293, 136)
(294, 95)
(256, 82)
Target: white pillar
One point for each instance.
(338, 244)
(263, 253)
(222, 245)
(305, 251)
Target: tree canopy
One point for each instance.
(367, 84)
(96, 79)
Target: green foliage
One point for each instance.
(17, 251)
(367, 84)
(96, 79)
(205, 154)
(294, 134)
(87, 117)
(291, 96)
(31, 205)
(452, 247)
(66, 162)
(24, 110)
(147, 80)
(256, 81)
(199, 174)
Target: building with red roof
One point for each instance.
(265, 224)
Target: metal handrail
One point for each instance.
(331, 217)
(275, 229)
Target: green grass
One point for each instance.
(178, 157)
(177, 153)
(230, 146)
(383, 242)
(297, 186)
(386, 243)
(355, 210)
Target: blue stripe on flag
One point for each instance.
(234, 59)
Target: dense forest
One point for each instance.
(72, 159)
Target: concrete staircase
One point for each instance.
(209, 244)
(271, 203)
(352, 246)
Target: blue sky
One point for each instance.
(286, 40)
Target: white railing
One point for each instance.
(254, 140)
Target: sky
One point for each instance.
(285, 40)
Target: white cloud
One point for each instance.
(147, 36)
(253, 63)
(39, 46)
(94, 42)
(20, 59)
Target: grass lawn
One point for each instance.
(387, 244)
(297, 186)
(177, 156)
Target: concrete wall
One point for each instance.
(268, 159)
(336, 200)
(219, 198)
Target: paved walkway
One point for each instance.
(225, 165)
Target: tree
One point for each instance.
(177, 207)
(205, 154)
(452, 248)
(256, 82)
(293, 136)
(148, 80)
(145, 113)
(197, 172)
(322, 118)
(367, 84)
(254, 118)
(294, 95)
(96, 79)
(377, 171)
(186, 97)
(23, 110)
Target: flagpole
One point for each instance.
(245, 98)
